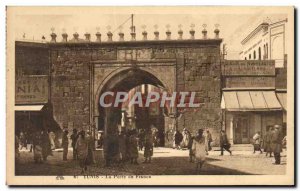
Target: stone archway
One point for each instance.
(125, 80)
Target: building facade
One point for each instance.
(70, 76)
(266, 42)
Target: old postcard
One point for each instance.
(150, 96)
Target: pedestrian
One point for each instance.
(81, 147)
(208, 140)
(22, 141)
(154, 135)
(148, 151)
(65, 144)
(74, 138)
(276, 143)
(257, 143)
(122, 146)
(198, 148)
(51, 138)
(100, 140)
(91, 148)
(224, 143)
(185, 138)
(37, 148)
(178, 138)
(132, 149)
(191, 152)
(267, 141)
(46, 145)
(141, 137)
(111, 148)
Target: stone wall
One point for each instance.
(202, 73)
(80, 70)
(31, 59)
(70, 87)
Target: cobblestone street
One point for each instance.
(166, 161)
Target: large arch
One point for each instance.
(147, 71)
(122, 80)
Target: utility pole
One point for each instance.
(132, 27)
(224, 51)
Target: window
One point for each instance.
(254, 55)
(245, 58)
(249, 56)
(259, 53)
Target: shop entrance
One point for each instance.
(241, 130)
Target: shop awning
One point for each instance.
(250, 101)
(29, 107)
(282, 99)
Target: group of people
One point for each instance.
(83, 147)
(272, 142)
(41, 143)
(126, 146)
(184, 140)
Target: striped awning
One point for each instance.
(250, 101)
(282, 99)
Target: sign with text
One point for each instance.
(249, 82)
(31, 89)
(248, 67)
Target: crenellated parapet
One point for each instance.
(133, 35)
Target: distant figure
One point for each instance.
(51, 138)
(198, 149)
(276, 143)
(65, 144)
(74, 138)
(257, 142)
(141, 137)
(46, 145)
(190, 147)
(148, 152)
(178, 138)
(37, 148)
(208, 140)
(267, 141)
(155, 135)
(122, 146)
(224, 143)
(186, 136)
(133, 150)
(100, 140)
(91, 148)
(23, 142)
(82, 151)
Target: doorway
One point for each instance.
(241, 130)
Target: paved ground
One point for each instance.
(166, 161)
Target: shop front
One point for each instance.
(248, 112)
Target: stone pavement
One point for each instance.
(166, 161)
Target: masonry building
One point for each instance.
(64, 81)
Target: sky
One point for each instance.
(234, 24)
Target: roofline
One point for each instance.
(255, 31)
(281, 21)
(187, 42)
(259, 27)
